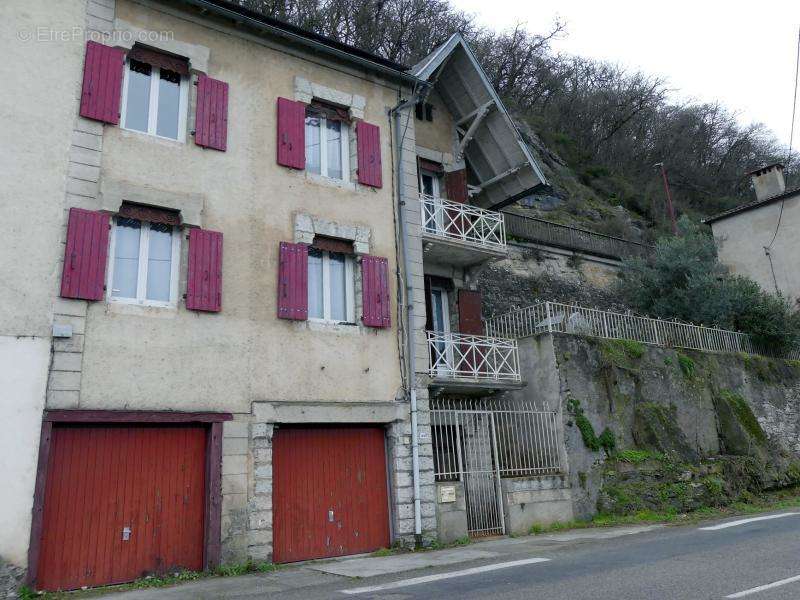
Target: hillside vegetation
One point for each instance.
(598, 129)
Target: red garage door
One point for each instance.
(329, 495)
(121, 502)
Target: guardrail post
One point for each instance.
(549, 320)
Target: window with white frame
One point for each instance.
(327, 144)
(154, 100)
(331, 286)
(144, 265)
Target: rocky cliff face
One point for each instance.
(682, 429)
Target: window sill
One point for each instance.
(330, 182)
(123, 307)
(152, 136)
(331, 326)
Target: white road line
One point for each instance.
(440, 576)
(762, 588)
(744, 521)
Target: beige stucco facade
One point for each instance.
(228, 360)
(742, 237)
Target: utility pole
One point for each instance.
(670, 208)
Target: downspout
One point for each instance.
(409, 329)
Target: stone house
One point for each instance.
(760, 239)
(253, 268)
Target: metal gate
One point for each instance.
(480, 441)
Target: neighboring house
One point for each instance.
(206, 276)
(761, 239)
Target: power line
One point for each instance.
(789, 155)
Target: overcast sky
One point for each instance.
(742, 54)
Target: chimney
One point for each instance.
(768, 181)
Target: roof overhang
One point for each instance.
(296, 35)
(743, 208)
(501, 162)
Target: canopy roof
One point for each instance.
(502, 166)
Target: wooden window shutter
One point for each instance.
(85, 255)
(368, 139)
(293, 282)
(455, 183)
(469, 312)
(102, 83)
(204, 285)
(291, 134)
(211, 116)
(375, 292)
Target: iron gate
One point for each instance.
(480, 441)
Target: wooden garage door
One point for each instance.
(121, 502)
(329, 494)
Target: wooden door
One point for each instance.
(122, 502)
(329, 492)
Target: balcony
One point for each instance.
(472, 364)
(459, 234)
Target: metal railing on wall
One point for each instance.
(558, 317)
(457, 221)
(571, 238)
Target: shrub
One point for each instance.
(682, 279)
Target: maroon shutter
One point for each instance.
(102, 82)
(469, 312)
(368, 139)
(211, 117)
(291, 134)
(204, 286)
(293, 282)
(85, 256)
(375, 291)
(455, 183)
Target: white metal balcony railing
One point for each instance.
(457, 221)
(547, 317)
(473, 357)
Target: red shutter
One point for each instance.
(204, 286)
(375, 291)
(469, 312)
(85, 255)
(102, 82)
(291, 134)
(455, 183)
(211, 117)
(368, 138)
(293, 282)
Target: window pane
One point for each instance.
(427, 184)
(159, 262)
(126, 258)
(169, 99)
(137, 110)
(315, 306)
(312, 145)
(338, 286)
(334, 147)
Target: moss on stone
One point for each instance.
(740, 409)
(621, 353)
(655, 428)
(606, 440)
(686, 365)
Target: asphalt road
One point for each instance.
(670, 563)
(675, 563)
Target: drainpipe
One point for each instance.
(409, 330)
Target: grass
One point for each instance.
(770, 501)
(635, 456)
